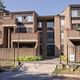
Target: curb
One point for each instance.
(67, 75)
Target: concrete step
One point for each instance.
(38, 68)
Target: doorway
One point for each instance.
(50, 50)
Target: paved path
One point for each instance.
(42, 67)
(18, 75)
(34, 75)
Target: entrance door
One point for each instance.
(50, 50)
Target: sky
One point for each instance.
(42, 7)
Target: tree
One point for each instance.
(2, 5)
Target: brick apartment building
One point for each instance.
(28, 33)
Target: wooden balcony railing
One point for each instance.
(24, 36)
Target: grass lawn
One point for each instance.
(67, 71)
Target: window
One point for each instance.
(62, 49)
(79, 25)
(29, 18)
(40, 37)
(29, 30)
(62, 21)
(75, 26)
(21, 29)
(24, 17)
(39, 24)
(62, 38)
(19, 18)
(79, 13)
(50, 37)
(50, 24)
(62, 35)
(75, 13)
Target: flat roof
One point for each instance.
(24, 12)
(74, 5)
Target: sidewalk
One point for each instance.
(67, 75)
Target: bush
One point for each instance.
(63, 58)
(29, 58)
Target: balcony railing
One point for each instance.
(24, 36)
(73, 33)
(8, 21)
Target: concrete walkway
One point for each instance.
(25, 74)
(40, 67)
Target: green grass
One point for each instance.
(63, 58)
(29, 58)
(67, 71)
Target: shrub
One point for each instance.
(63, 58)
(29, 58)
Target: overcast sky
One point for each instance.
(42, 7)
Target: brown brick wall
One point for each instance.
(57, 36)
(24, 36)
(9, 53)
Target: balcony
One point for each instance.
(8, 21)
(73, 34)
(75, 21)
(23, 37)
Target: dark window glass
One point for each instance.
(50, 50)
(21, 29)
(40, 37)
(50, 37)
(50, 24)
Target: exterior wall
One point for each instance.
(71, 34)
(67, 26)
(9, 22)
(57, 36)
(10, 53)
